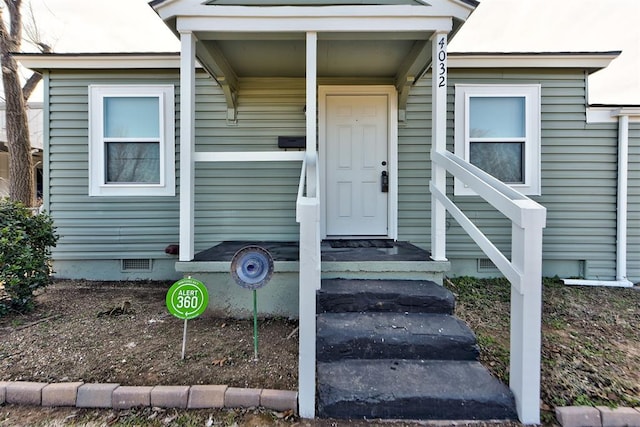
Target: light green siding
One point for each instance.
(240, 200)
(633, 243)
(578, 177)
(98, 228)
(414, 168)
(234, 201)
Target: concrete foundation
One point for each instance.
(226, 298)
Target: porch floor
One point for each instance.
(331, 250)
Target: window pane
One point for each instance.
(133, 162)
(131, 117)
(497, 117)
(504, 161)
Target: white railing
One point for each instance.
(524, 271)
(308, 216)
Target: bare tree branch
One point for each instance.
(32, 31)
(34, 37)
(30, 85)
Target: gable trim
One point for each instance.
(592, 61)
(102, 61)
(459, 9)
(325, 22)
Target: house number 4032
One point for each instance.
(442, 56)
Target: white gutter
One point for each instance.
(622, 115)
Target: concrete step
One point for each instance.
(412, 296)
(411, 389)
(384, 269)
(393, 335)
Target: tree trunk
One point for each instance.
(21, 186)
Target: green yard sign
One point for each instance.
(187, 298)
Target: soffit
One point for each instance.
(361, 57)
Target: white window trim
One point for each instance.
(532, 94)
(97, 161)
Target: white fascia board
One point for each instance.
(104, 61)
(172, 8)
(591, 61)
(632, 112)
(177, 8)
(239, 24)
(359, 11)
(456, 9)
(611, 114)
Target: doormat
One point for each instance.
(361, 243)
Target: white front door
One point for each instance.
(357, 154)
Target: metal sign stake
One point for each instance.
(252, 268)
(184, 339)
(255, 325)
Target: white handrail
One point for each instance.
(524, 271)
(494, 191)
(308, 216)
(500, 261)
(308, 188)
(302, 181)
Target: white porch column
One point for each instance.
(438, 143)
(309, 270)
(187, 143)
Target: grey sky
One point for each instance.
(496, 26)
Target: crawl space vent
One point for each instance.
(136, 265)
(486, 265)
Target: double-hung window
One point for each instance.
(132, 143)
(497, 129)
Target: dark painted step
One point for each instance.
(412, 296)
(393, 335)
(412, 389)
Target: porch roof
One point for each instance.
(386, 40)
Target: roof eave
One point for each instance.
(86, 61)
(591, 61)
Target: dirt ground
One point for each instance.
(123, 333)
(590, 339)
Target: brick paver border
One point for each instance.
(93, 395)
(115, 396)
(600, 416)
